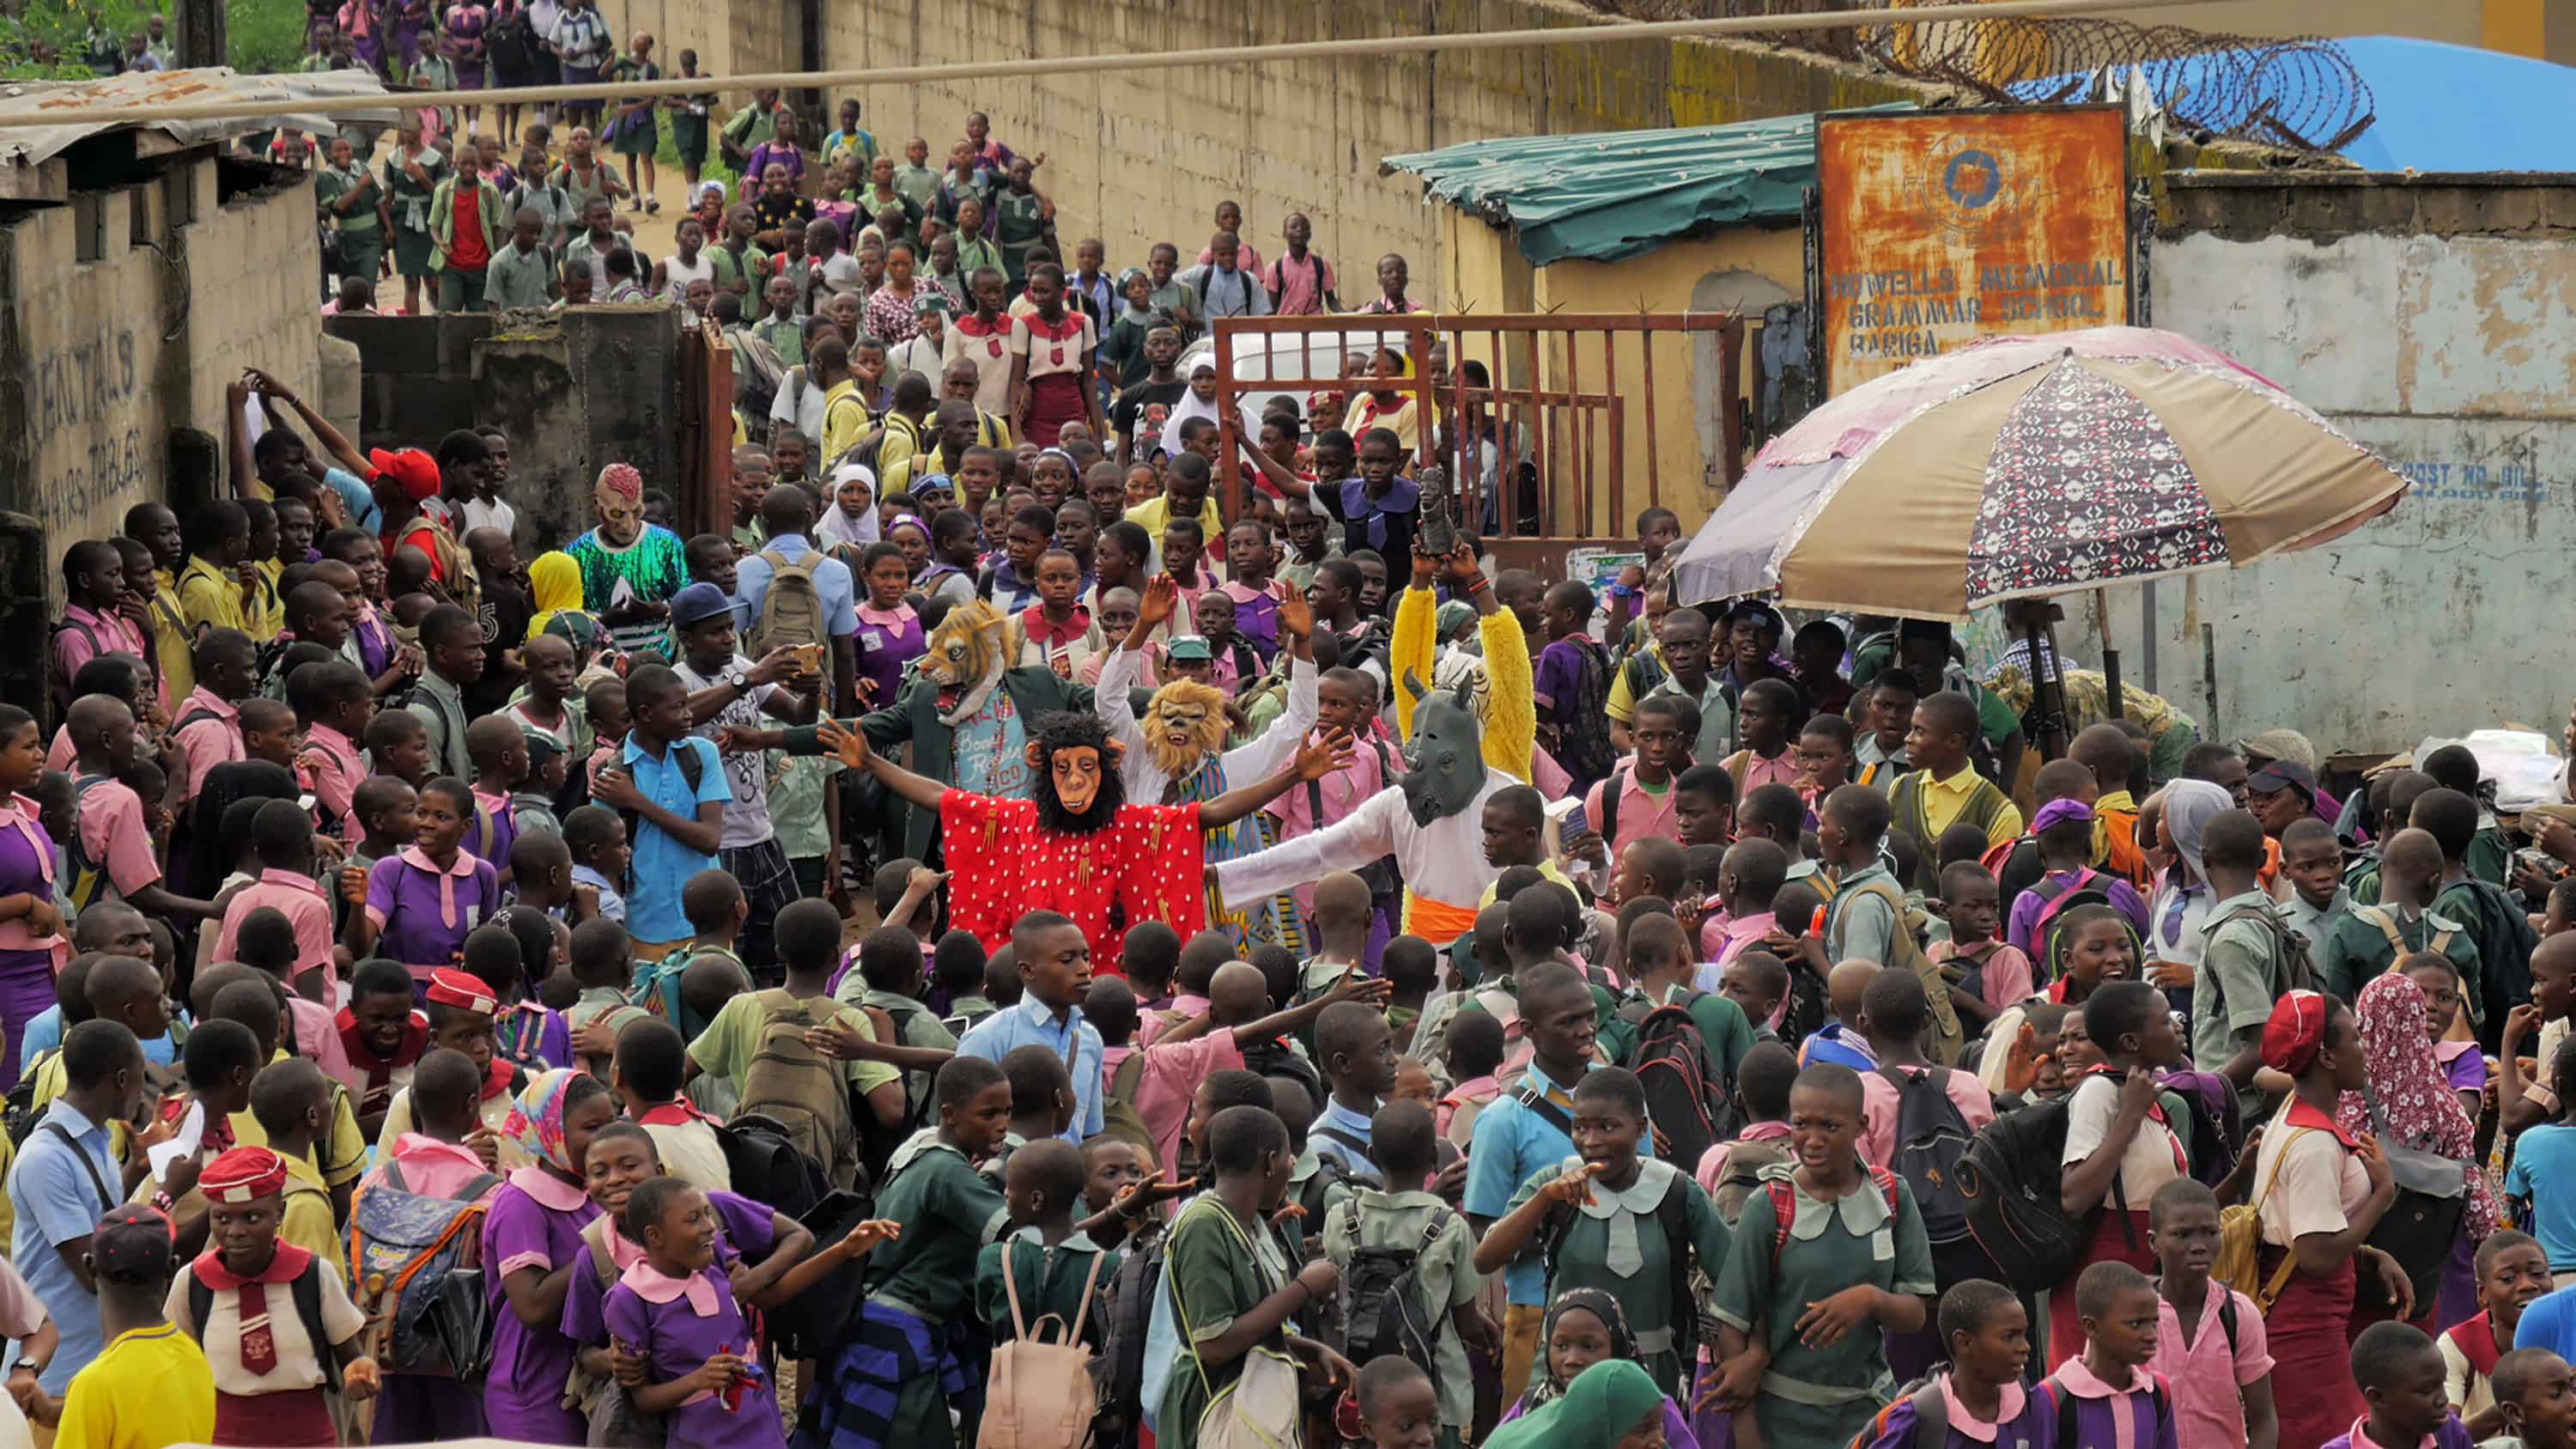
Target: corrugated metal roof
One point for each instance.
(1611, 195)
(26, 139)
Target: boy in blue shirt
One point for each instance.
(677, 809)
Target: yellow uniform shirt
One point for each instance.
(149, 1388)
(170, 637)
(210, 598)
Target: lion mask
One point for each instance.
(1184, 724)
(965, 657)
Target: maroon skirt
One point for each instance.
(275, 1421)
(2305, 1331)
(1054, 400)
(2110, 1244)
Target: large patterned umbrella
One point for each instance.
(2027, 466)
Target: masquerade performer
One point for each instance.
(629, 568)
(1505, 706)
(1178, 755)
(1432, 821)
(1074, 845)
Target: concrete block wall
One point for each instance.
(110, 340)
(1143, 157)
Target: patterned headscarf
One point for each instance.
(536, 1123)
(2417, 1106)
(1623, 1343)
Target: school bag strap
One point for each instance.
(1011, 1290)
(109, 1199)
(1536, 1101)
(1784, 1207)
(306, 1294)
(2158, 1394)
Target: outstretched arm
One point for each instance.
(320, 427)
(852, 747)
(1313, 762)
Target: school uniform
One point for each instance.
(534, 1221)
(2208, 1374)
(1215, 1270)
(1821, 1396)
(2309, 1180)
(423, 913)
(151, 1386)
(2469, 1354)
(2136, 1414)
(2023, 1420)
(1514, 1139)
(742, 1226)
(1616, 1243)
(500, 1085)
(269, 1394)
(680, 1323)
(907, 1355)
(2452, 1435)
(688, 1145)
(1049, 1280)
(2153, 1157)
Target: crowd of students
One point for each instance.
(1821, 1067)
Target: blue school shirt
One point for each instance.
(2547, 1154)
(45, 1033)
(662, 864)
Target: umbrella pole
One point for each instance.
(2048, 694)
(2112, 699)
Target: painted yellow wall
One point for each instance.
(1483, 261)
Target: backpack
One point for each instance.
(2437, 944)
(1585, 751)
(811, 1324)
(1742, 1177)
(1382, 1298)
(791, 610)
(1904, 953)
(1931, 1137)
(89, 881)
(2505, 941)
(767, 1163)
(2088, 887)
(1132, 1291)
(2239, 1264)
(655, 989)
(801, 1092)
(2217, 1122)
(306, 1291)
(1038, 1393)
(2289, 951)
(510, 41)
(416, 1271)
(2007, 1182)
(1685, 1098)
(19, 1113)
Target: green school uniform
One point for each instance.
(1049, 1281)
(1216, 1270)
(1017, 227)
(1819, 1398)
(2490, 856)
(949, 1212)
(2357, 950)
(1616, 1243)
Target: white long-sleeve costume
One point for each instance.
(1443, 862)
(1259, 759)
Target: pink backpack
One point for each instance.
(1039, 1394)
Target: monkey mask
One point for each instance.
(1074, 774)
(1444, 762)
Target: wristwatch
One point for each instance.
(30, 1365)
(739, 678)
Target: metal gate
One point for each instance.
(1568, 425)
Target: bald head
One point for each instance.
(2106, 750)
(1237, 993)
(1846, 986)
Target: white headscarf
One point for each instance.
(2189, 804)
(839, 527)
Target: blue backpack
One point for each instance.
(416, 1270)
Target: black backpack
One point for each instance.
(2289, 949)
(1131, 1315)
(2008, 1182)
(810, 1324)
(19, 1113)
(1686, 1098)
(693, 770)
(1931, 1138)
(510, 41)
(1383, 1305)
(766, 1165)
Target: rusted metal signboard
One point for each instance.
(1935, 228)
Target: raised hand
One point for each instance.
(1327, 755)
(870, 1233)
(1574, 1188)
(1162, 596)
(1296, 616)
